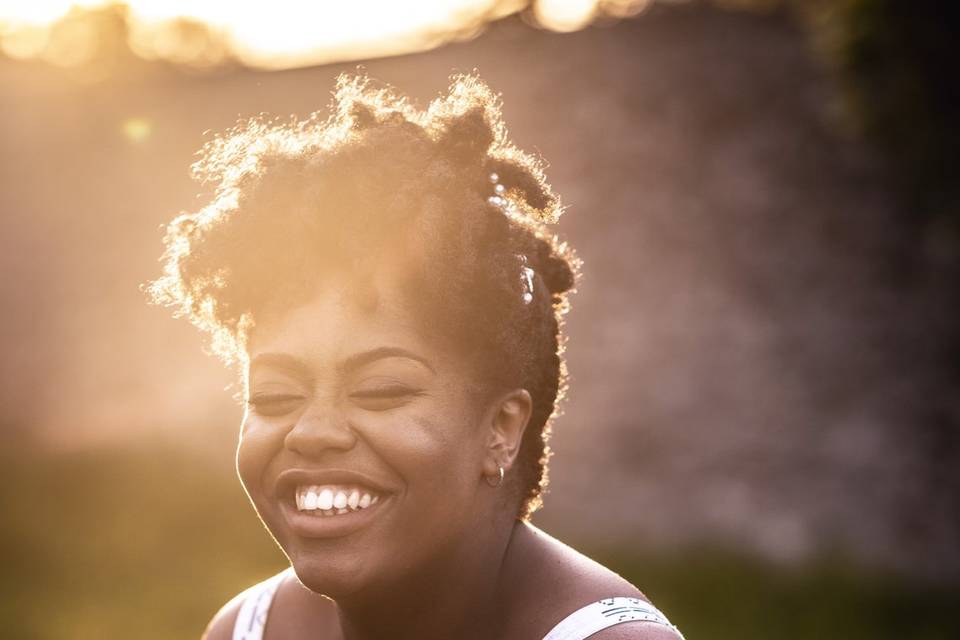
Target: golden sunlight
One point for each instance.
(137, 129)
(564, 15)
(279, 34)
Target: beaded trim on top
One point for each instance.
(499, 200)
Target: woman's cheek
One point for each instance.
(403, 432)
(260, 441)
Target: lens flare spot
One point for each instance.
(137, 129)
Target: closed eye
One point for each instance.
(382, 391)
(276, 404)
(383, 397)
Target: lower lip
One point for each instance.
(318, 526)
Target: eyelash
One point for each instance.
(386, 391)
(262, 403)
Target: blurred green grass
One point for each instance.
(139, 544)
(149, 543)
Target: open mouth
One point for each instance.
(333, 500)
(330, 503)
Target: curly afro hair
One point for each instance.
(293, 200)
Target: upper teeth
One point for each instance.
(331, 499)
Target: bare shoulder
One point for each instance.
(583, 578)
(552, 580)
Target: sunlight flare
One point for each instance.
(279, 34)
(137, 129)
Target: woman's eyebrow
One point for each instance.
(362, 358)
(283, 361)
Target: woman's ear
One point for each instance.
(509, 418)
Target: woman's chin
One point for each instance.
(336, 580)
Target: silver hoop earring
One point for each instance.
(499, 479)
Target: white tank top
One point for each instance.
(582, 623)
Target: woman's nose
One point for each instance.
(318, 431)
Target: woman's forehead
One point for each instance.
(339, 315)
(323, 309)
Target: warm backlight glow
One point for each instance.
(281, 33)
(137, 129)
(564, 15)
(276, 34)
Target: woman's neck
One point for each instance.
(456, 596)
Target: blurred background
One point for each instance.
(762, 430)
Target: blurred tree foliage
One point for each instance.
(899, 88)
(892, 59)
(902, 89)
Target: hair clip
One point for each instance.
(526, 276)
(498, 198)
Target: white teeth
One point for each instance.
(325, 501)
(332, 500)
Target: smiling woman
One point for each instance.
(386, 279)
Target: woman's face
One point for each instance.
(358, 406)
